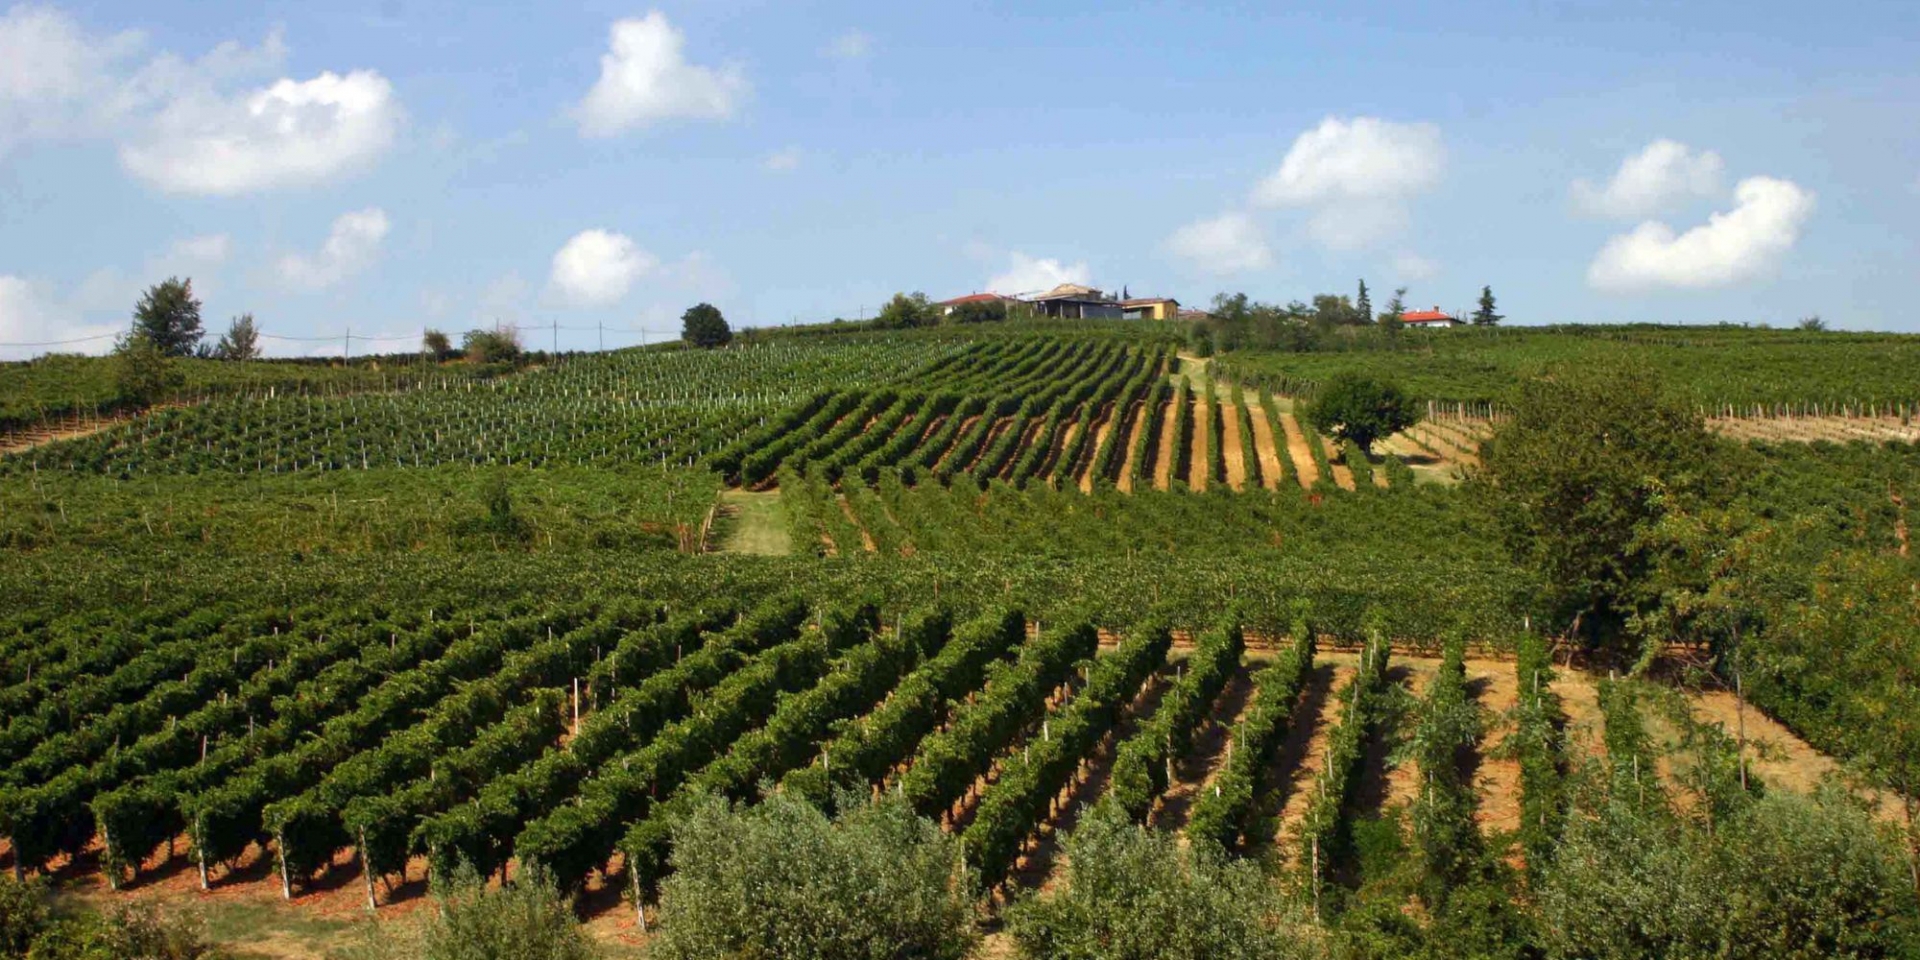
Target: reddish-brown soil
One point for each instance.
(1304, 753)
(1197, 470)
(1264, 446)
(866, 539)
(966, 426)
(1136, 422)
(1304, 466)
(1163, 466)
(1234, 454)
(1102, 432)
(1496, 778)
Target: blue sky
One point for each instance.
(385, 166)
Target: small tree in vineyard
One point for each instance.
(1361, 409)
(434, 343)
(241, 341)
(703, 326)
(168, 316)
(145, 372)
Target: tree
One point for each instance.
(906, 310)
(978, 311)
(499, 345)
(1391, 319)
(1812, 323)
(144, 371)
(780, 879)
(1134, 894)
(241, 341)
(169, 317)
(1485, 317)
(1361, 409)
(1580, 479)
(703, 326)
(1332, 310)
(434, 343)
(1362, 305)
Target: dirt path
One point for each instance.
(1163, 467)
(1264, 447)
(1202, 457)
(1580, 699)
(1403, 779)
(1304, 467)
(1195, 771)
(756, 523)
(846, 509)
(1305, 751)
(1230, 446)
(1136, 422)
(966, 427)
(1496, 778)
(1102, 433)
(1780, 758)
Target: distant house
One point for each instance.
(1429, 318)
(948, 306)
(1150, 308)
(1071, 301)
(1193, 316)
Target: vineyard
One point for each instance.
(297, 748)
(314, 648)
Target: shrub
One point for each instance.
(527, 919)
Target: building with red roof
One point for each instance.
(1429, 318)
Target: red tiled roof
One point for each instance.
(1424, 316)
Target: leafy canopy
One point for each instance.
(169, 317)
(1361, 409)
(703, 326)
(1580, 478)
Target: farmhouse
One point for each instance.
(948, 306)
(1429, 318)
(1071, 301)
(1150, 308)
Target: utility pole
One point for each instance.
(602, 327)
(556, 336)
(346, 344)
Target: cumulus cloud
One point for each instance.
(1356, 177)
(1660, 175)
(1741, 244)
(780, 161)
(852, 45)
(190, 126)
(645, 78)
(292, 133)
(1228, 244)
(1025, 274)
(351, 246)
(596, 268)
(34, 319)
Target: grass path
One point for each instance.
(754, 523)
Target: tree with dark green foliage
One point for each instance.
(978, 311)
(705, 327)
(1485, 317)
(1138, 894)
(527, 919)
(1362, 305)
(905, 311)
(1361, 409)
(781, 879)
(434, 343)
(241, 341)
(1579, 479)
(1812, 323)
(145, 372)
(169, 317)
(1394, 316)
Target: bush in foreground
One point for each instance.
(1134, 894)
(527, 919)
(780, 879)
(30, 929)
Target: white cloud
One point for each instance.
(212, 249)
(781, 161)
(1026, 274)
(30, 314)
(1356, 177)
(1660, 175)
(596, 268)
(852, 45)
(292, 133)
(645, 77)
(1741, 244)
(1412, 266)
(189, 126)
(351, 246)
(1228, 244)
